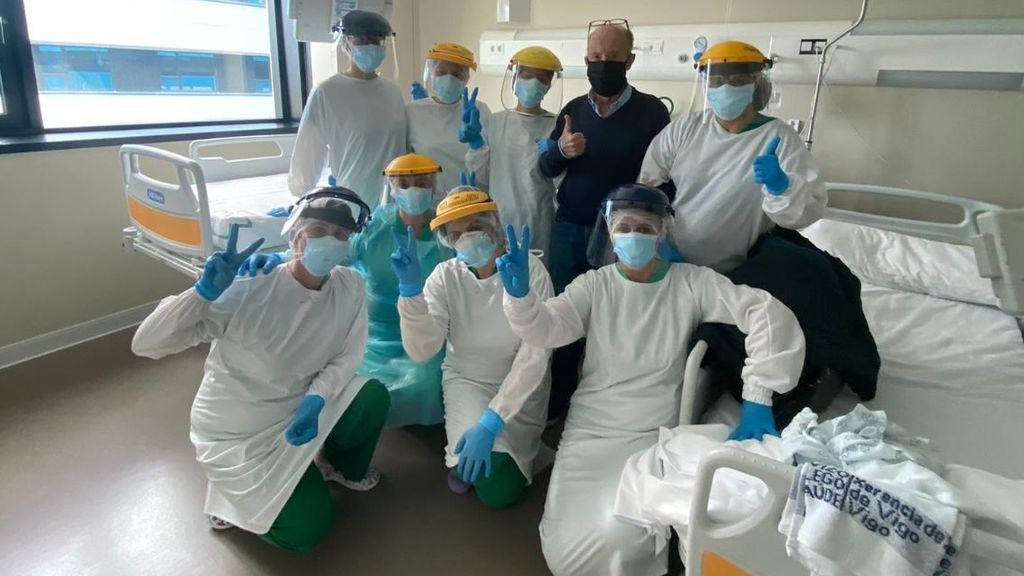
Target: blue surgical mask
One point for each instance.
(475, 249)
(634, 249)
(530, 91)
(322, 254)
(729, 101)
(415, 200)
(448, 89)
(368, 57)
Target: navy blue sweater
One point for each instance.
(615, 150)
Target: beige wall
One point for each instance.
(958, 142)
(61, 216)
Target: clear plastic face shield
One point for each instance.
(414, 194)
(476, 238)
(321, 225)
(531, 91)
(370, 52)
(627, 219)
(487, 223)
(445, 80)
(733, 89)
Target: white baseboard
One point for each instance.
(72, 335)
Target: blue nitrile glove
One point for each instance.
(264, 263)
(406, 264)
(280, 211)
(756, 421)
(475, 446)
(220, 269)
(471, 131)
(418, 92)
(668, 253)
(545, 144)
(514, 265)
(305, 421)
(467, 179)
(768, 172)
(468, 103)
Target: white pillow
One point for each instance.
(904, 262)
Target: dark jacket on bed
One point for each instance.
(824, 295)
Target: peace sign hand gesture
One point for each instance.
(220, 269)
(471, 131)
(514, 265)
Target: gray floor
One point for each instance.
(98, 478)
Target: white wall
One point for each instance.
(958, 142)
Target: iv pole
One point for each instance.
(821, 72)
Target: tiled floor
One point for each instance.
(98, 477)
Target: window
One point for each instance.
(109, 63)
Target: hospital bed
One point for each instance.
(754, 545)
(181, 222)
(952, 368)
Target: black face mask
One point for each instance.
(607, 77)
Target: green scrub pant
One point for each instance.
(506, 485)
(306, 518)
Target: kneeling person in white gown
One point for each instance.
(280, 388)
(638, 315)
(495, 385)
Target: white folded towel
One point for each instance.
(838, 524)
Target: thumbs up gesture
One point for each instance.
(572, 144)
(768, 172)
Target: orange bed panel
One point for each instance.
(715, 565)
(174, 228)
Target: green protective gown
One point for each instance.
(415, 388)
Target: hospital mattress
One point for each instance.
(951, 372)
(245, 202)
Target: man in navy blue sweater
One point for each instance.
(601, 138)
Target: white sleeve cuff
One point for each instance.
(757, 393)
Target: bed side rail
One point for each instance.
(999, 250)
(696, 389)
(217, 168)
(960, 232)
(995, 233)
(172, 215)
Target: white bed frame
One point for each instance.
(171, 220)
(754, 546)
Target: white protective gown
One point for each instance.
(486, 364)
(273, 342)
(637, 341)
(355, 125)
(508, 164)
(434, 132)
(720, 210)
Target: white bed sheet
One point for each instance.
(246, 201)
(952, 372)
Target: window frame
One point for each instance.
(22, 130)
